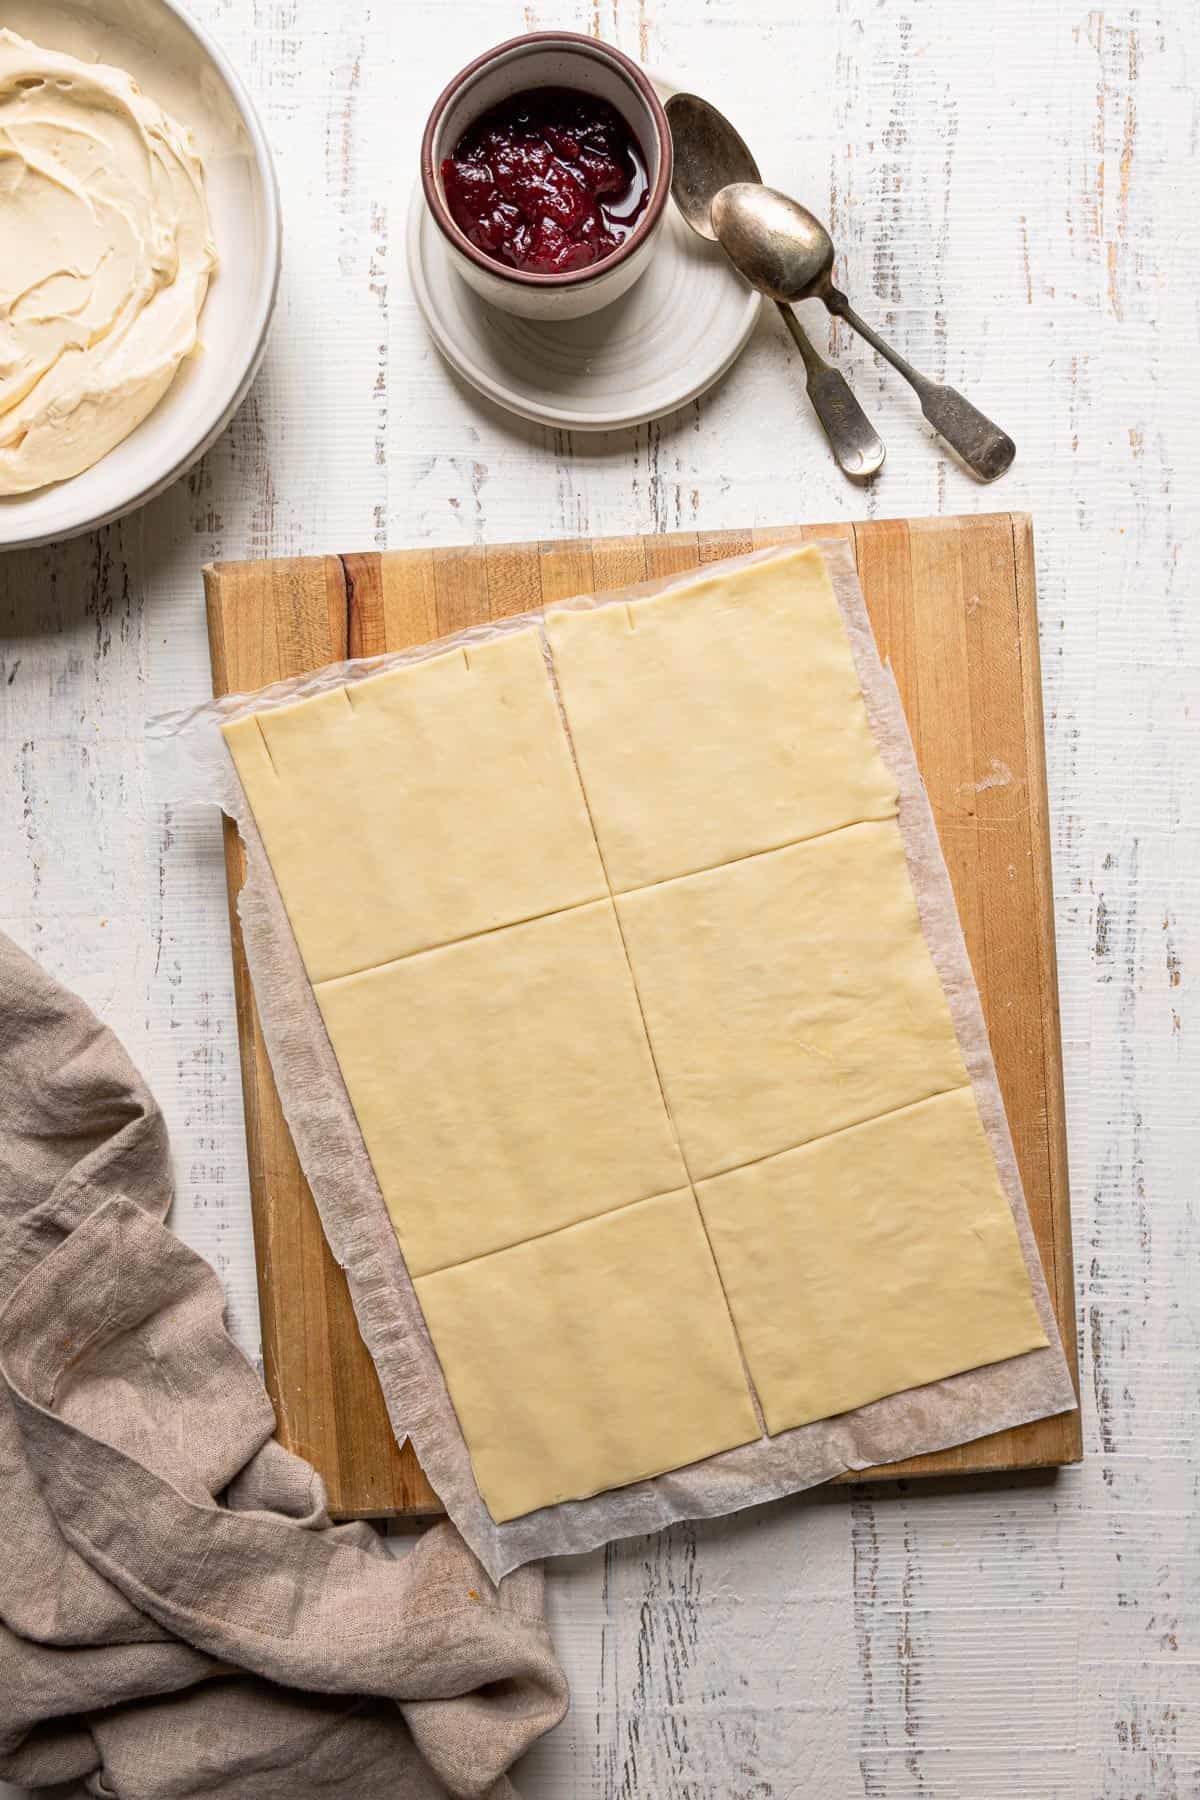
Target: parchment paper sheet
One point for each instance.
(194, 764)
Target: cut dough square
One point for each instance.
(590, 1358)
(872, 1261)
(419, 806)
(718, 719)
(503, 1085)
(789, 995)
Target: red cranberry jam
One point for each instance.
(548, 181)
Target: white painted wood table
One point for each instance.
(1015, 189)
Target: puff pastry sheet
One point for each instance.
(611, 927)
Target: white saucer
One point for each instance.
(671, 336)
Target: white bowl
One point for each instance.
(180, 67)
(550, 59)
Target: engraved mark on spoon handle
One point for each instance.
(857, 448)
(986, 450)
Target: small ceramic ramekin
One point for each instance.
(550, 59)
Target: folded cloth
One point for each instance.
(178, 1616)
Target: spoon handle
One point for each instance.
(986, 450)
(856, 447)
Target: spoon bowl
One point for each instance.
(709, 155)
(776, 243)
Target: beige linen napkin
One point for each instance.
(177, 1614)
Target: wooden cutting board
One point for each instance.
(953, 605)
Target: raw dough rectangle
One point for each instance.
(594, 1356)
(503, 1085)
(717, 720)
(853, 1274)
(789, 995)
(577, 966)
(419, 807)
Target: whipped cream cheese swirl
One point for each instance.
(105, 257)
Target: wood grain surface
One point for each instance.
(952, 603)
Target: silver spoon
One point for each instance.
(784, 250)
(709, 155)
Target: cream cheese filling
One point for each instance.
(105, 257)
